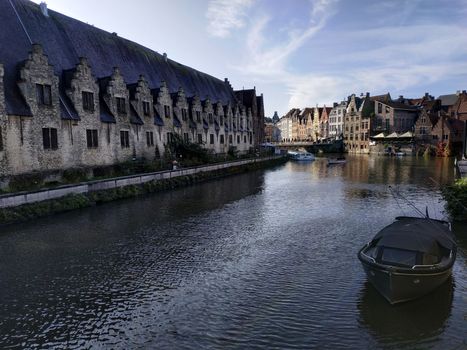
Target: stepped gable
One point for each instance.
(65, 39)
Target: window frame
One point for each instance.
(88, 101)
(44, 94)
(92, 138)
(121, 105)
(50, 139)
(124, 139)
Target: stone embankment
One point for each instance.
(23, 206)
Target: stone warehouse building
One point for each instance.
(72, 95)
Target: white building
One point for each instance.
(336, 119)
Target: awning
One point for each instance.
(379, 136)
(407, 134)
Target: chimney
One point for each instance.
(165, 56)
(44, 10)
(426, 94)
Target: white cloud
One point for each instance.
(399, 58)
(226, 15)
(266, 61)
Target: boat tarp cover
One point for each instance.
(418, 234)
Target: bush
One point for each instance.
(456, 199)
(74, 175)
(26, 182)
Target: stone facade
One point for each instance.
(84, 121)
(3, 127)
(357, 125)
(392, 117)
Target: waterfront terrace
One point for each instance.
(72, 95)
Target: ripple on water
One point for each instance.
(264, 260)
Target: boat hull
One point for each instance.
(398, 287)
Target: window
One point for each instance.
(149, 138)
(230, 139)
(49, 138)
(200, 138)
(238, 138)
(221, 120)
(146, 108)
(124, 139)
(211, 139)
(387, 124)
(198, 116)
(121, 106)
(186, 137)
(44, 94)
(422, 130)
(91, 138)
(380, 108)
(167, 111)
(222, 139)
(1, 139)
(445, 136)
(88, 101)
(244, 139)
(184, 114)
(169, 137)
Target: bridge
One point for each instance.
(336, 146)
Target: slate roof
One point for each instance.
(105, 115)
(157, 118)
(177, 123)
(246, 97)
(399, 105)
(65, 39)
(67, 110)
(134, 117)
(381, 98)
(448, 100)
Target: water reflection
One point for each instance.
(261, 260)
(418, 322)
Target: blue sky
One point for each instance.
(300, 52)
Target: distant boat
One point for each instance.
(409, 258)
(338, 160)
(301, 156)
(399, 154)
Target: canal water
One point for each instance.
(262, 260)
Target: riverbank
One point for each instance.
(25, 206)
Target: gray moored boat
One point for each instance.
(409, 258)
